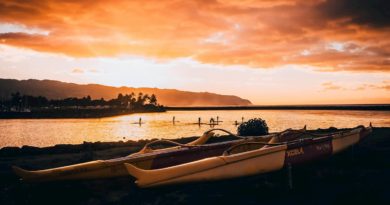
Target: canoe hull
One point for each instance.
(101, 169)
(248, 163)
(215, 168)
(341, 142)
(308, 150)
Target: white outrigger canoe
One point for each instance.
(238, 161)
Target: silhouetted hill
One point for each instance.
(169, 97)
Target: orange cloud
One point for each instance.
(333, 35)
(77, 71)
(385, 85)
(331, 86)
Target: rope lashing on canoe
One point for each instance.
(223, 130)
(241, 137)
(167, 142)
(198, 142)
(147, 146)
(228, 151)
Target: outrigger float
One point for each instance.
(244, 159)
(198, 161)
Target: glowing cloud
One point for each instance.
(333, 35)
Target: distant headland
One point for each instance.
(60, 90)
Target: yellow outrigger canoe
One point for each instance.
(279, 152)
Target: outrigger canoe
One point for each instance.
(147, 158)
(279, 152)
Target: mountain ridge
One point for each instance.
(53, 89)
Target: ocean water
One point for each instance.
(48, 132)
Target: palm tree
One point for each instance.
(153, 100)
(140, 99)
(145, 99)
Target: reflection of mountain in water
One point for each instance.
(169, 97)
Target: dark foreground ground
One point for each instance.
(360, 175)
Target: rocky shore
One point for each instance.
(360, 175)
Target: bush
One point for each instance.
(253, 127)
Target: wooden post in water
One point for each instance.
(199, 121)
(242, 120)
(173, 120)
(140, 121)
(217, 120)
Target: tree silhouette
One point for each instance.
(153, 100)
(145, 99)
(127, 101)
(140, 99)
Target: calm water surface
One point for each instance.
(47, 132)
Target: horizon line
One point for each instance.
(362, 107)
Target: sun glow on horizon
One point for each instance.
(261, 86)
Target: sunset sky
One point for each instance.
(269, 51)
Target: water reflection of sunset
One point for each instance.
(159, 125)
